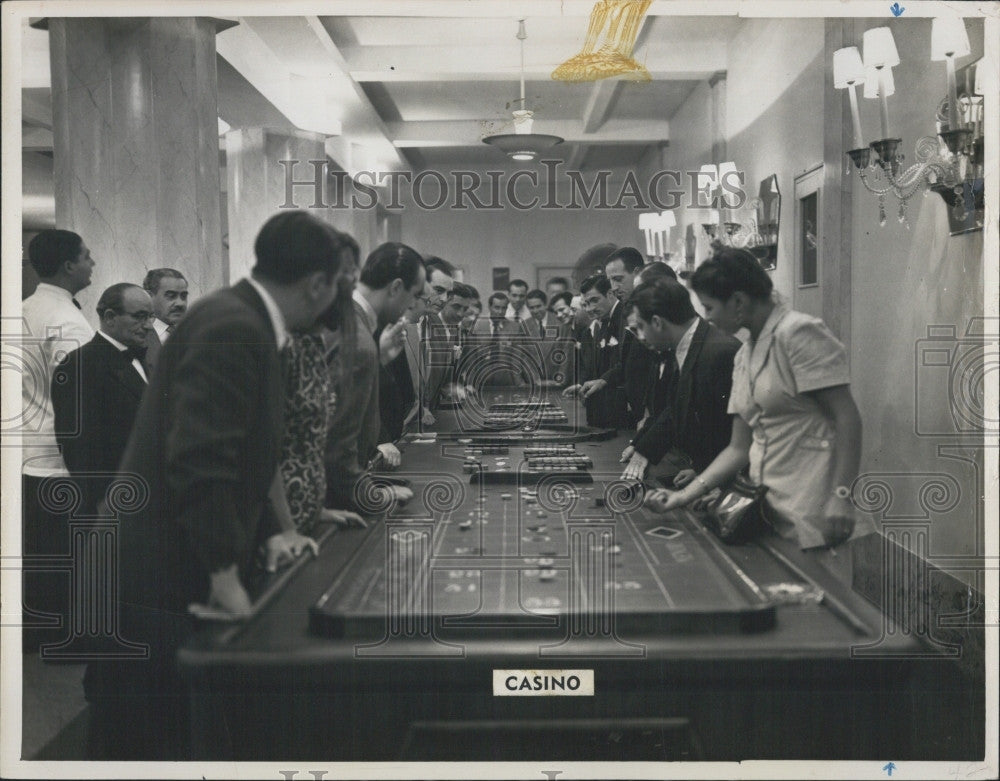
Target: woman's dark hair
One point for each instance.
(729, 270)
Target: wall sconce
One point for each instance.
(942, 165)
(656, 227)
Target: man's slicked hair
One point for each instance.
(151, 283)
(433, 263)
(631, 258)
(664, 297)
(51, 248)
(113, 298)
(390, 261)
(294, 244)
(598, 281)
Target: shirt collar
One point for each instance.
(273, 312)
(120, 347)
(367, 308)
(161, 328)
(779, 311)
(48, 287)
(684, 344)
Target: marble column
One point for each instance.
(136, 146)
(270, 170)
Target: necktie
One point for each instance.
(77, 304)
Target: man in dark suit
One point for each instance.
(202, 456)
(495, 354)
(391, 279)
(97, 388)
(442, 346)
(690, 385)
(600, 374)
(631, 373)
(168, 290)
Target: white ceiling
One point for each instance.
(422, 90)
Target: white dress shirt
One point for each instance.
(513, 314)
(684, 344)
(163, 330)
(52, 327)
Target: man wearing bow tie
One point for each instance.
(97, 388)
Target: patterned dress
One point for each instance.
(309, 403)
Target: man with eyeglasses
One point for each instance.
(97, 388)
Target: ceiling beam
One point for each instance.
(445, 133)
(683, 61)
(515, 9)
(602, 98)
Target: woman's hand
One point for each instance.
(663, 500)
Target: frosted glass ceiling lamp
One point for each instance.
(522, 144)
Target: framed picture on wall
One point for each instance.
(808, 241)
(545, 273)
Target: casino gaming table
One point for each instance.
(522, 550)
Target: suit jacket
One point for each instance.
(600, 358)
(153, 347)
(438, 355)
(396, 396)
(206, 444)
(509, 359)
(639, 361)
(693, 417)
(355, 426)
(96, 393)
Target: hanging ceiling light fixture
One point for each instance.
(522, 144)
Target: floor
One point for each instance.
(53, 709)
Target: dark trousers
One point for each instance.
(44, 590)
(140, 708)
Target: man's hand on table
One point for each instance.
(227, 599)
(283, 548)
(390, 454)
(343, 518)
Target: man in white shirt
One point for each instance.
(168, 290)
(53, 326)
(517, 292)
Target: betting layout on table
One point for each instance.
(529, 538)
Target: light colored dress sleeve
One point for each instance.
(816, 357)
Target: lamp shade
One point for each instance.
(649, 221)
(847, 67)
(880, 48)
(948, 38)
(668, 219)
(871, 83)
